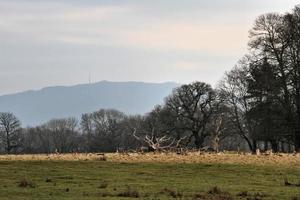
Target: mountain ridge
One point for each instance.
(34, 107)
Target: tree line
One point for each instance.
(255, 105)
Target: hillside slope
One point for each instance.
(36, 107)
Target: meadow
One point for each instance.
(150, 176)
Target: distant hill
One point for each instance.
(36, 107)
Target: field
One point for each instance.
(150, 176)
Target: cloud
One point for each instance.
(95, 14)
(59, 20)
(171, 40)
(186, 65)
(203, 37)
(133, 25)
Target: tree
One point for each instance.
(35, 140)
(157, 130)
(266, 109)
(233, 90)
(86, 127)
(191, 107)
(220, 125)
(10, 128)
(292, 38)
(103, 129)
(276, 38)
(128, 126)
(63, 133)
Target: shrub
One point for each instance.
(24, 183)
(214, 193)
(129, 192)
(172, 193)
(103, 185)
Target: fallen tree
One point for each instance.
(159, 143)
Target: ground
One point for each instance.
(150, 176)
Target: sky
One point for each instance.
(63, 42)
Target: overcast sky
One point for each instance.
(59, 42)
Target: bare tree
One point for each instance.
(10, 128)
(127, 126)
(234, 92)
(159, 143)
(191, 107)
(220, 127)
(87, 129)
(275, 38)
(103, 129)
(63, 132)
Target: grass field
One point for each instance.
(119, 177)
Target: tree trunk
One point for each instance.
(8, 148)
(274, 145)
(251, 147)
(216, 143)
(266, 145)
(297, 131)
(254, 146)
(198, 140)
(289, 147)
(297, 140)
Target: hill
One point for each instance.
(36, 107)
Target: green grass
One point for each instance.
(95, 179)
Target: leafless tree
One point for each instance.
(234, 92)
(156, 143)
(87, 129)
(275, 37)
(103, 129)
(10, 128)
(63, 132)
(191, 106)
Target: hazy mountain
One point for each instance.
(36, 107)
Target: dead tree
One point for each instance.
(156, 143)
(217, 132)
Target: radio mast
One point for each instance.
(90, 79)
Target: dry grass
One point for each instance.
(290, 160)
